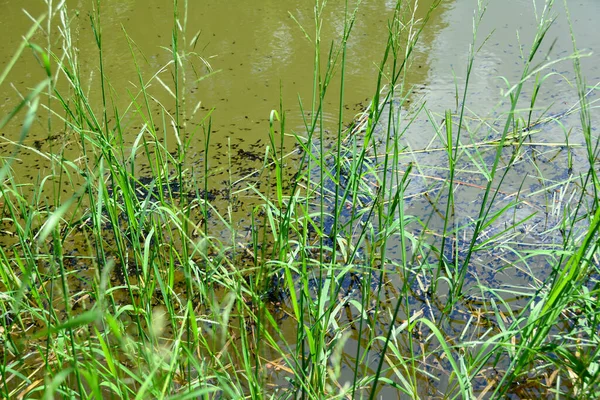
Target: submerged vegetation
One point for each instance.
(368, 271)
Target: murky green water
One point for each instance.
(260, 57)
(257, 53)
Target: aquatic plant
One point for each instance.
(121, 276)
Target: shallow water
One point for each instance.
(262, 58)
(261, 53)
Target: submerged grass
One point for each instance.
(139, 285)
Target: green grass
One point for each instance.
(117, 283)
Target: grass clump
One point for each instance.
(371, 270)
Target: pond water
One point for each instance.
(260, 57)
(254, 56)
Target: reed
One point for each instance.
(118, 283)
